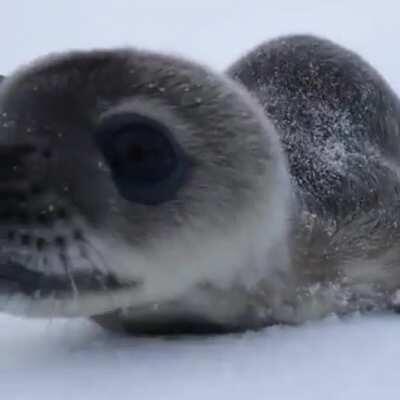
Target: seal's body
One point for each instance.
(338, 122)
(153, 194)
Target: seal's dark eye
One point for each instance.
(147, 164)
(144, 153)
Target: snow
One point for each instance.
(352, 358)
(331, 359)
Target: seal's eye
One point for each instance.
(144, 153)
(147, 164)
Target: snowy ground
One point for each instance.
(356, 358)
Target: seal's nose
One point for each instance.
(15, 170)
(14, 163)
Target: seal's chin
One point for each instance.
(22, 288)
(16, 277)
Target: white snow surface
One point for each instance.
(352, 358)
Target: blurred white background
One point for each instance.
(214, 32)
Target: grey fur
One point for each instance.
(338, 121)
(329, 208)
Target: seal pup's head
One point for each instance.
(129, 178)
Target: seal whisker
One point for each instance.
(103, 282)
(68, 273)
(93, 249)
(53, 311)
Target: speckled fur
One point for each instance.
(338, 121)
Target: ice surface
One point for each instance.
(355, 358)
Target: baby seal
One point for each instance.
(156, 196)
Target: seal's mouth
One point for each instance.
(17, 279)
